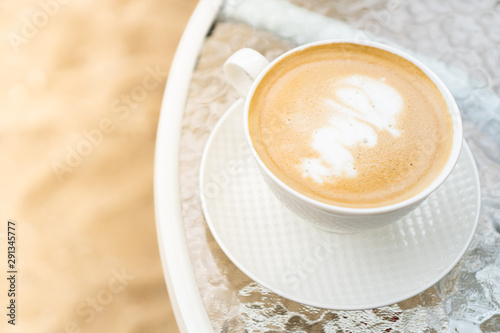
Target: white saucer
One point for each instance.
(296, 260)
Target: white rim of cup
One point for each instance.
(443, 89)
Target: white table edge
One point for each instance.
(190, 313)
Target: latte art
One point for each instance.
(350, 125)
(361, 107)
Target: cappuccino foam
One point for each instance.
(350, 125)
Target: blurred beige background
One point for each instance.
(82, 83)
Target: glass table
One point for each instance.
(459, 39)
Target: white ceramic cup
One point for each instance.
(245, 70)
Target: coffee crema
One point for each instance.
(350, 125)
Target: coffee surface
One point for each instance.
(350, 125)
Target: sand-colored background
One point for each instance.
(82, 83)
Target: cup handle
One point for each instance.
(243, 67)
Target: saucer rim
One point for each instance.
(413, 292)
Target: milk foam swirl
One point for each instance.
(361, 107)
